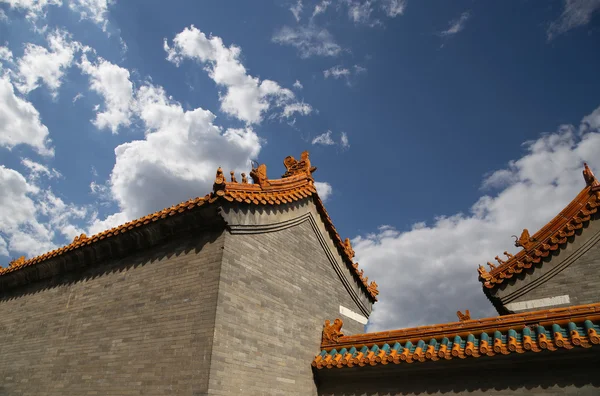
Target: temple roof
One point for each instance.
(546, 330)
(553, 236)
(296, 184)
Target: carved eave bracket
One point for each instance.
(332, 332)
(525, 240)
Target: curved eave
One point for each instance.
(561, 230)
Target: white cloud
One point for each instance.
(20, 121)
(34, 9)
(176, 160)
(3, 18)
(393, 8)
(576, 13)
(95, 10)
(297, 107)
(324, 139)
(31, 217)
(308, 40)
(37, 170)
(428, 273)
(113, 83)
(298, 85)
(336, 72)
(77, 97)
(344, 142)
(48, 66)
(457, 25)
(359, 69)
(324, 190)
(296, 9)
(321, 7)
(359, 12)
(246, 97)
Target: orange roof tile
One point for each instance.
(554, 235)
(296, 184)
(553, 329)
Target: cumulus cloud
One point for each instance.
(298, 85)
(575, 13)
(456, 25)
(94, 10)
(42, 65)
(246, 98)
(37, 170)
(33, 9)
(308, 40)
(20, 121)
(176, 160)
(344, 142)
(32, 217)
(324, 190)
(428, 273)
(113, 83)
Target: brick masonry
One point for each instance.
(276, 291)
(574, 271)
(141, 325)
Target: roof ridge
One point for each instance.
(297, 183)
(554, 234)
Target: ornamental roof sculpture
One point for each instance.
(549, 330)
(553, 236)
(296, 184)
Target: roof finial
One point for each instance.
(219, 184)
(331, 332)
(17, 262)
(259, 174)
(372, 288)
(525, 240)
(233, 180)
(348, 248)
(588, 175)
(463, 317)
(294, 167)
(244, 179)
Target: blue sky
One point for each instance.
(439, 128)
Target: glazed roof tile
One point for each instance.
(547, 330)
(553, 236)
(296, 184)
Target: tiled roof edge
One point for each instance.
(551, 330)
(555, 234)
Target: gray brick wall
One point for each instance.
(546, 373)
(276, 291)
(138, 326)
(574, 271)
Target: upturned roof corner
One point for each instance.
(553, 236)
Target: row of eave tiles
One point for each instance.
(527, 339)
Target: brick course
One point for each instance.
(141, 325)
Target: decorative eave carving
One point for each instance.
(463, 317)
(294, 167)
(332, 332)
